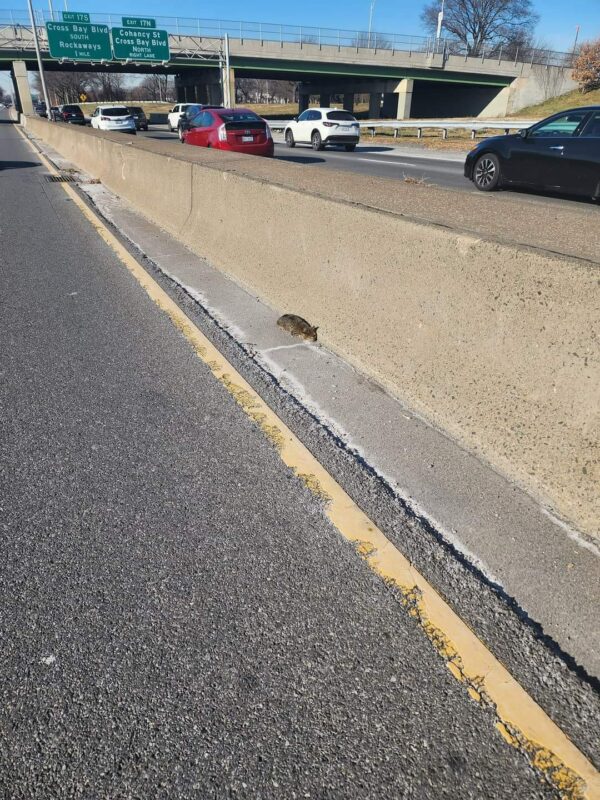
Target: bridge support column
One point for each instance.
(303, 102)
(324, 99)
(375, 105)
(230, 80)
(199, 86)
(349, 102)
(21, 85)
(405, 93)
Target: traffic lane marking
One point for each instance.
(518, 718)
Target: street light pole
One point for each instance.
(440, 21)
(371, 9)
(39, 60)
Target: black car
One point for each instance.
(139, 117)
(560, 154)
(69, 113)
(40, 109)
(187, 118)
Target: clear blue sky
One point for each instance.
(556, 27)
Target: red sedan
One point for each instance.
(237, 129)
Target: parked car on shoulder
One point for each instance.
(237, 129)
(175, 114)
(113, 118)
(558, 154)
(322, 126)
(187, 118)
(69, 113)
(139, 117)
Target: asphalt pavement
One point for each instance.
(179, 618)
(376, 160)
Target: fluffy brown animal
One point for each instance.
(298, 327)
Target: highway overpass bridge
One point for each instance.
(404, 75)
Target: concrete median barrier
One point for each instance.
(495, 343)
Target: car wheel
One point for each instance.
(315, 140)
(289, 138)
(180, 132)
(350, 148)
(486, 175)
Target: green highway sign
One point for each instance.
(78, 42)
(138, 22)
(137, 44)
(75, 16)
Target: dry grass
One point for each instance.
(564, 101)
(431, 138)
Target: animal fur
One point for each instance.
(298, 327)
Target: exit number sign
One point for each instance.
(138, 22)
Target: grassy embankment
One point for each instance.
(563, 101)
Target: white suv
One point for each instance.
(321, 126)
(113, 118)
(175, 115)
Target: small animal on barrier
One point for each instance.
(298, 327)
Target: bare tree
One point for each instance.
(155, 87)
(378, 41)
(108, 86)
(483, 24)
(262, 90)
(65, 87)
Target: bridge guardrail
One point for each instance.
(420, 125)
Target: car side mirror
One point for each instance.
(294, 119)
(524, 133)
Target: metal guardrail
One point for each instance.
(420, 125)
(375, 41)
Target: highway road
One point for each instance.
(180, 617)
(398, 163)
(375, 160)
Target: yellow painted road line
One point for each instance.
(519, 719)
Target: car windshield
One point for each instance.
(240, 116)
(114, 112)
(340, 116)
(72, 109)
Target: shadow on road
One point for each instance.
(4, 165)
(301, 159)
(7, 122)
(572, 198)
(374, 148)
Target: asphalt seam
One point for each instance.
(521, 722)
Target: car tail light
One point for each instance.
(268, 133)
(329, 124)
(222, 133)
(105, 119)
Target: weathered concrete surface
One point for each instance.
(494, 343)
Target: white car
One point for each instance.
(175, 115)
(322, 126)
(113, 118)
